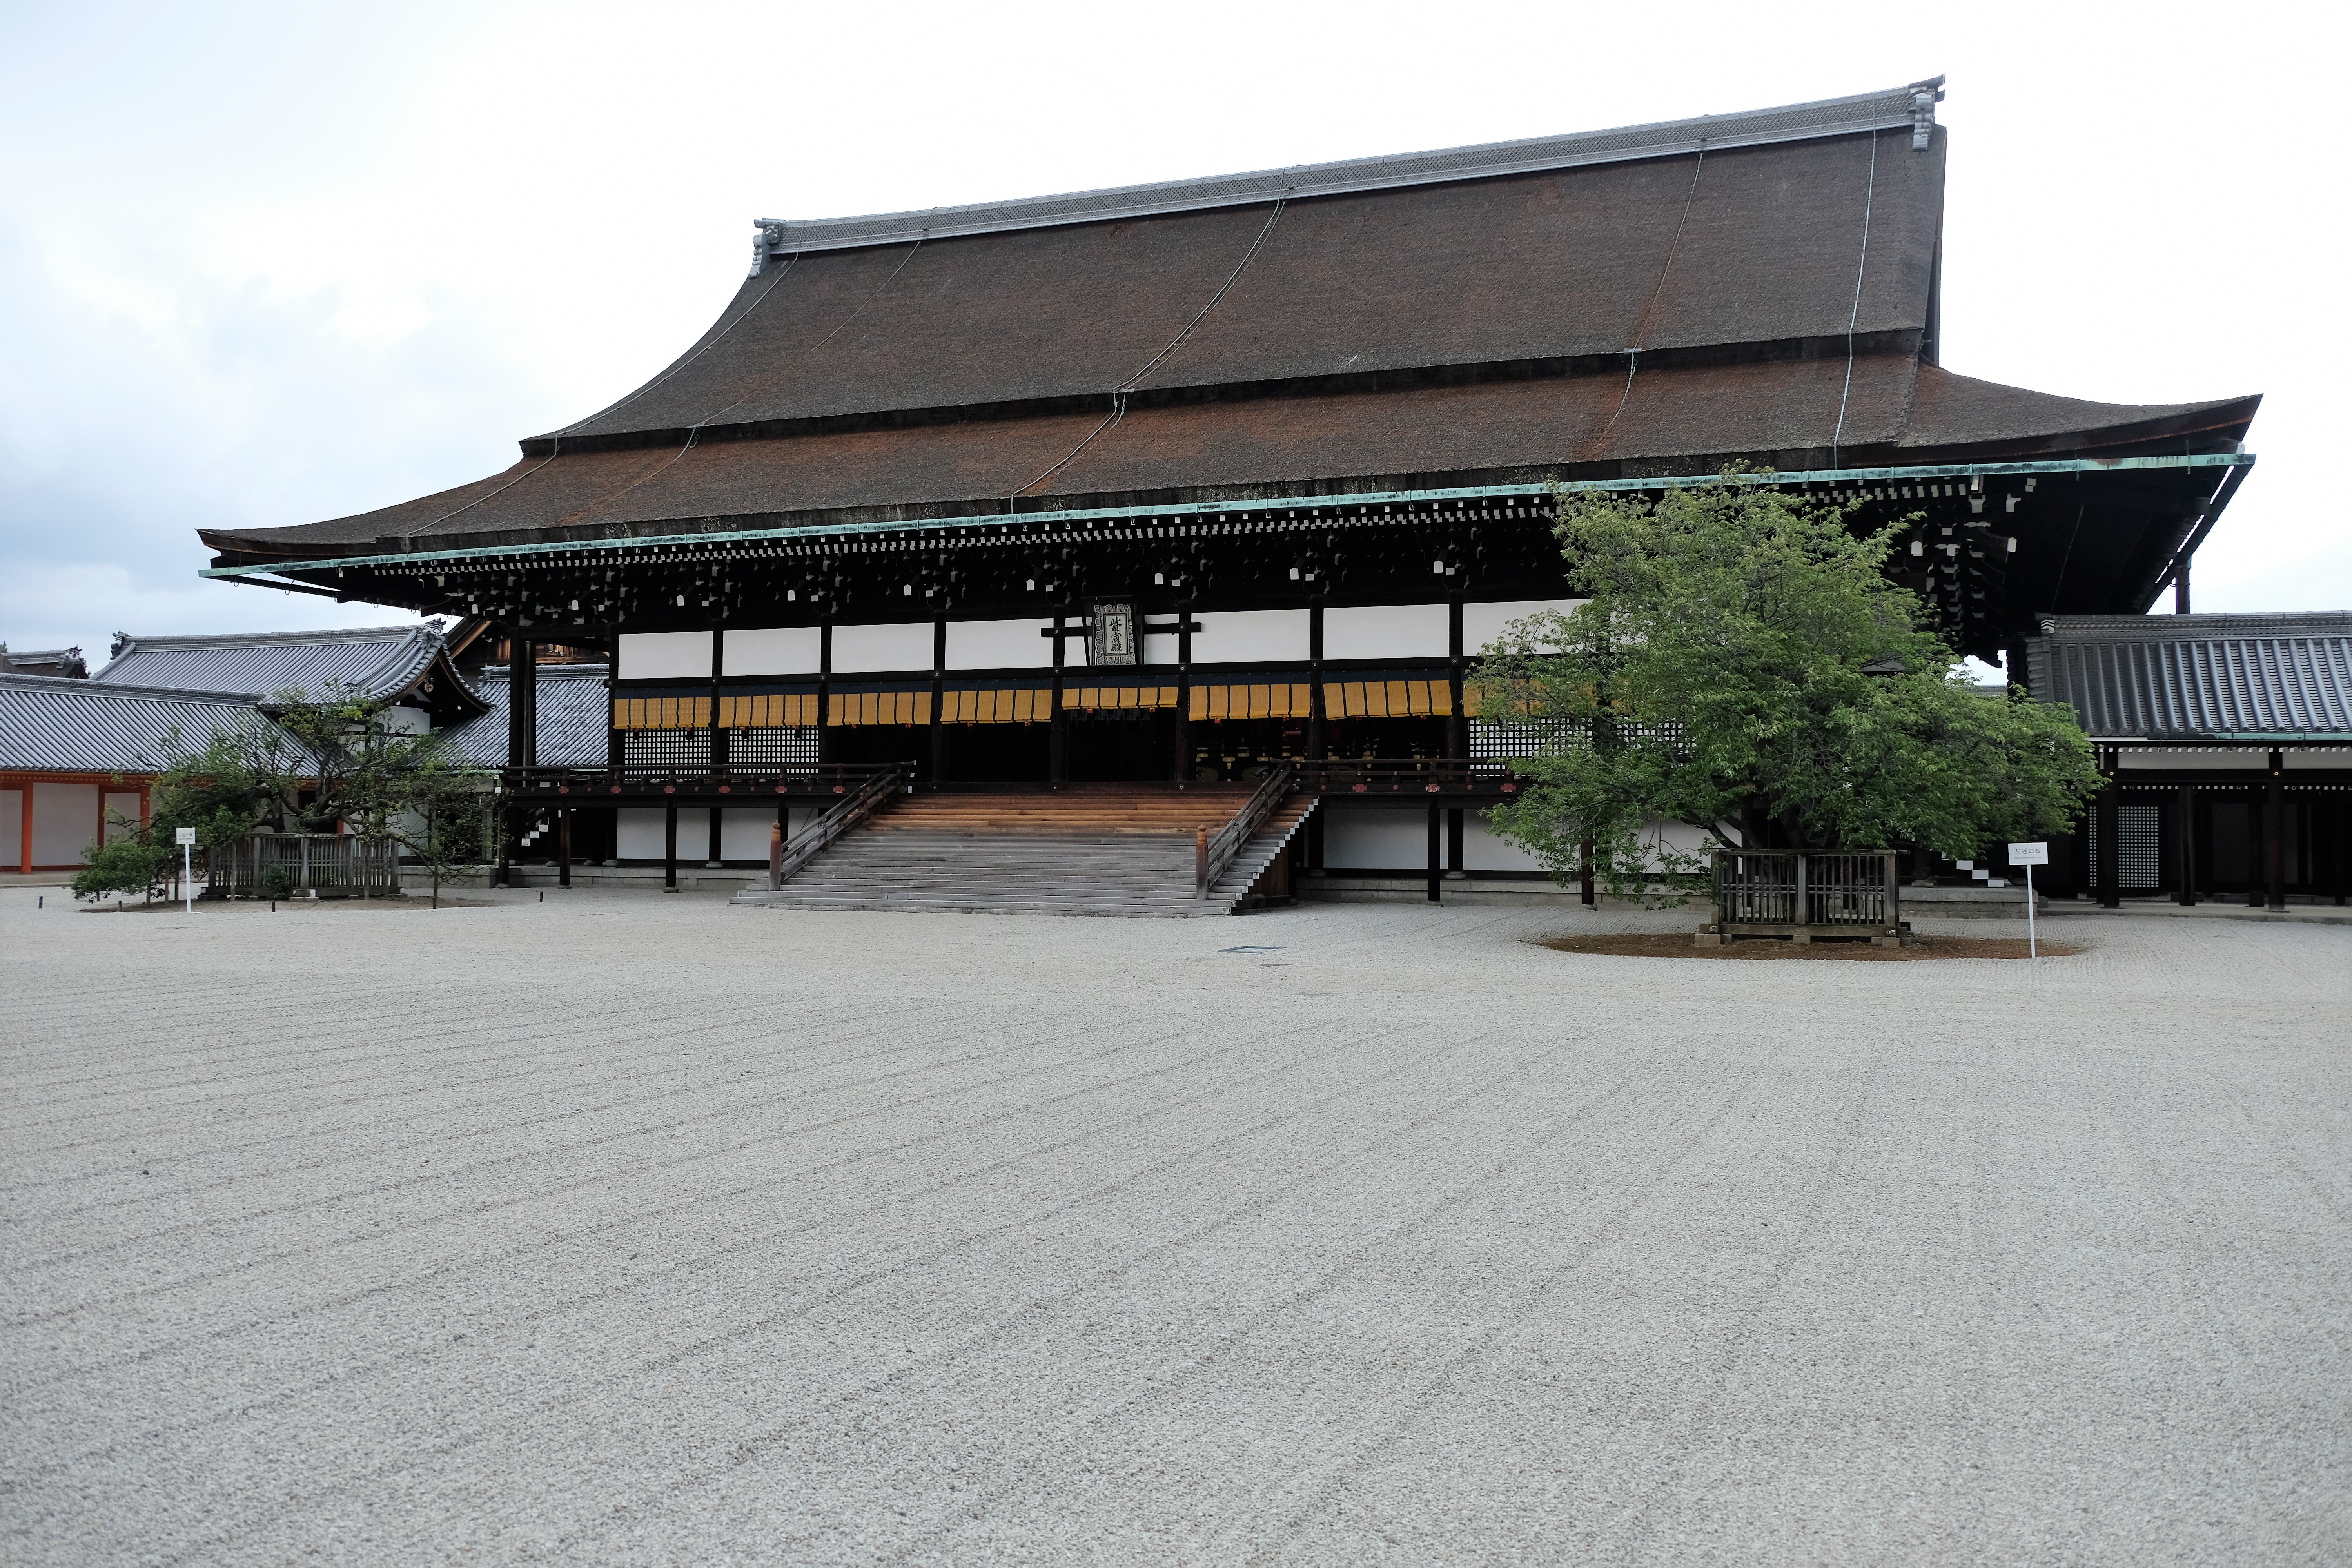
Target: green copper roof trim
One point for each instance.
(1279, 503)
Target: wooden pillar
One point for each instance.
(1455, 834)
(1182, 727)
(938, 698)
(2339, 842)
(1436, 866)
(1315, 842)
(718, 825)
(522, 700)
(2187, 846)
(1318, 740)
(2181, 590)
(1058, 766)
(720, 736)
(1584, 876)
(2108, 874)
(2255, 843)
(669, 845)
(564, 845)
(1457, 723)
(823, 693)
(2275, 836)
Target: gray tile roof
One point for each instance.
(379, 661)
(575, 718)
(65, 661)
(2200, 678)
(58, 724)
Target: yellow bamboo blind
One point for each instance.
(782, 710)
(878, 708)
(1387, 699)
(1276, 701)
(1019, 705)
(661, 712)
(1118, 697)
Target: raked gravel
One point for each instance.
(622, 1228)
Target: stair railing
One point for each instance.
(786, 860)
(1210, 856)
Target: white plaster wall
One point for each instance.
(1483, 850)
(2334, 757)
(892, 647)
(1386, 631)
(1000, 645)
(640, 834)
(64, 822)
(742, 831)
(407, 720)
(1482, 624)
(664, 655)
(12, 829)
(122, 813)
(1363, 838)
(1233, 637)
(775, 650)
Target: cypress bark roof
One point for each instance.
(1666, 300)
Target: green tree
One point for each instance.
(317, 762)
(1744, 666)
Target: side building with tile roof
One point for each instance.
(2227, 744)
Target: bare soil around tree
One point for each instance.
(1653, 944)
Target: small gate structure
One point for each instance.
(281, 865)
(1802, 894)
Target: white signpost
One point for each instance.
(187, 842)
(2029, 856)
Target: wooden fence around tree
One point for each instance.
(281, 865)
(1803, 893)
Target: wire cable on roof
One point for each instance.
(1642, 322)
(1118, 393)
(556, 449)
(1861, 267)
(694, 432)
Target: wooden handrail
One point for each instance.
(784, 862)
(1211, 856)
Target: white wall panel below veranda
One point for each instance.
(742, 831)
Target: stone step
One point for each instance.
(1112, 853)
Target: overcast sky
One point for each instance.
(267, 263)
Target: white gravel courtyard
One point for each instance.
(632, 1229)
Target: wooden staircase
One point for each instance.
(1107, 850)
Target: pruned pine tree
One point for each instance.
(320, 761)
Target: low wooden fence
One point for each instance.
(1802, 894)
(284, 864)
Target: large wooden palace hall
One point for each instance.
(1192, 482)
